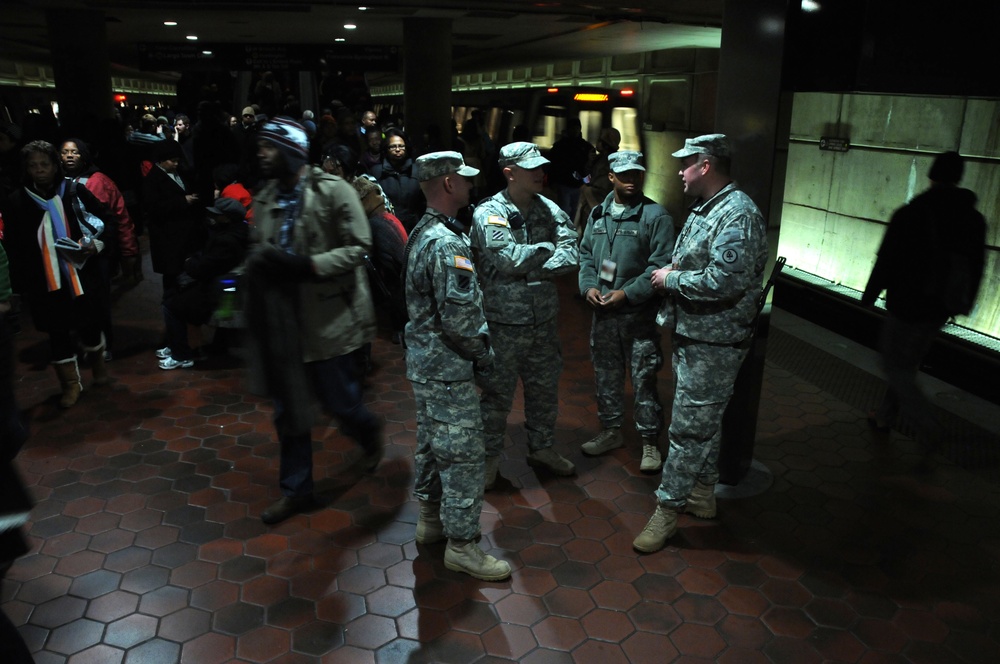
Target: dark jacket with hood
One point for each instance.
(931, 260)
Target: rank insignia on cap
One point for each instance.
(463, 263)
(496, 220)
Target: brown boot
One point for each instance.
(98, 366)
(69, 377)
(701, 502)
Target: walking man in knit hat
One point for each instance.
(521, 242)
(627, 237)
(308, 307)
(710, 289)
(447, 345)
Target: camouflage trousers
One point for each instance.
(704, 375)
(532, 353)
(449, 462)
(620, 341)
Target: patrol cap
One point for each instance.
(228, 207)
(525, 155)
(436, 164)
(716, 145)
(625, 160)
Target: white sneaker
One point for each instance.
(163, 353)
(651, 459)
(170, 363)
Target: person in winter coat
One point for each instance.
(930, 265)
(199, 289)
(395, 174)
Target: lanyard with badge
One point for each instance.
(609, 268)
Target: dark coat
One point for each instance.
(403, 190)
(931, 260)
(175, 228)
(223, 252)
(22, 218)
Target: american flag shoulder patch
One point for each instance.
(496, 220)
(463, 263)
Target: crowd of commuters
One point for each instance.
(326, 219)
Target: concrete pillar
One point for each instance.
(749, 92)
(749, 112)
(427, 78)
(82, 68)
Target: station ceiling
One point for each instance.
(486, 33)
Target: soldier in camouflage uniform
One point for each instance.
(711, 288)
(522, 240)
(447, 343)
(626, 238)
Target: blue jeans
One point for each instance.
(337, 384)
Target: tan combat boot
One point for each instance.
(492, 469)
(701, 502)
(69, 377)
(661, 526)
(429, 526)
(553, 461)
(467, 557)
(607, 440)
(652, 460)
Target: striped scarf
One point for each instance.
(52, 228)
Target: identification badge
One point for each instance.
(608, 270)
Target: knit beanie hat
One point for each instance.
(290, 138)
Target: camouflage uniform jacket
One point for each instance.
(447, 331)
(516, 265)
(718, 269)
(639, 242)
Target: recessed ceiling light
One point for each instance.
(362, 9)
(349, 26)
(339, 39)
(193, 37)
(170, 23)
(206, 53)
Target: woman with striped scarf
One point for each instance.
(56, 247)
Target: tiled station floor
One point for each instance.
(147, 546)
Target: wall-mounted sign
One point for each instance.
(834, 144)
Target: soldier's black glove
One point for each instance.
(283, 265)
(484, 363)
